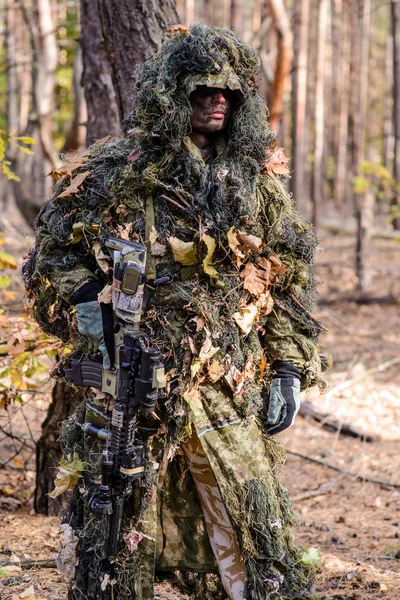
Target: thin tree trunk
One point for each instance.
(317, 183)
(133, 31)
(283, 30)
(344, 77)
(299, 99)
(237, 17)
(190, 12)
(396, 109)
(364, 202)
(76, 137)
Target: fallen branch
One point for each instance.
(25, 563)
(319, 461)
(323, 489)
(347, 384)
(331, 424)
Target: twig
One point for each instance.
(347, 384)
(173, 202)
(319, 461)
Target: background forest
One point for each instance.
(330, 74)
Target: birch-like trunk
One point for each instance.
(299, 99)
(395, 13)
(317, 177)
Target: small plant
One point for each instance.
(7, 140)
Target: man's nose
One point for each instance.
(218, 97)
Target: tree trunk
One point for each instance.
(32, 170)
(299, 98)
(237, 17)
(76, 137)
(283, 65)
(395, 12)
(48, 450)
(102, 108)
(133, 31)
(317, 179)
(364, 206)
(344, 78)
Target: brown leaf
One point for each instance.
(250, 241)
(158, 249)
(265, 303)
(215, 371)
(277, 267)
(234, 244)
(263, 366)
(276, 163)
(75, 185)
(246, 317)
(68, 168)
(178, 28)
(103, 260)
(254, 279)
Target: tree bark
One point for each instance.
(344, 77)
(283, 65)
(364, 206)
(317, 179)
(299, 99)
(133, 31)
(237, 17)
(76, 137)
(102, 108)
(48, 450)
(395, 13)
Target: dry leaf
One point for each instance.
(234, 244)
(215, 371)
(193, 398)
(246, 317)
(75, 185)
(68, 168)
(7, 261)
(250, 241)
(158, 249)
(210, 243)
(178, 28)
(103, 260)
(200, 323)
(196, 366)
(277, 267)
(69, 471)
(207, 350)
(276, 163)
(255, 280)
(105, 296)
(183, 252)
(265, 303)
(153, 235)
(125, 231)
(262, 366)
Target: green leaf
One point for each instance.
(11, 176)
(311, 557)
(5, 373)
(24, 150)
(26, 140)
(5, 282)
(7, 261)
(2, 148)
(3, 572)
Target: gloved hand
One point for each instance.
(284, 397)
(95, 320)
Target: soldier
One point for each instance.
(198, 179)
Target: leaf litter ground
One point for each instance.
(354, 524)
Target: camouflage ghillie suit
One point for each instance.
(242, 265)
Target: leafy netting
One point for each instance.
(235, 204)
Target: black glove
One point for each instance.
(95, 320)
(284, 397)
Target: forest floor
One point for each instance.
(354, 523)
